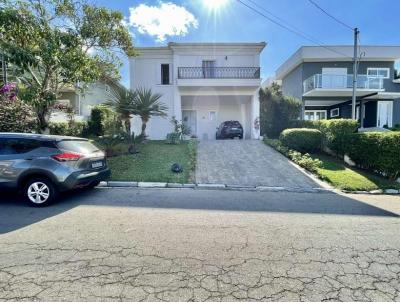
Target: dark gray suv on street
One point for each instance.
(41, 166)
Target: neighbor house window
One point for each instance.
(165, 74)
(378, 72)
(314, 115)
(335, 112)
(107, 88)
(213, 115)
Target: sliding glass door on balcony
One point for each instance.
(209, 69)
(334, 78)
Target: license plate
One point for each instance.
(97, 164)
(235, 128)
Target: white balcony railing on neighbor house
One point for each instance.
(336, 81)
(219, 72)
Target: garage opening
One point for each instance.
(203, 114)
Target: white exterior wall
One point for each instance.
(95, 94)
(145, 70)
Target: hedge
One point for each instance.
(376, 151)
(336, 133)
(302, 139)
(69, 129)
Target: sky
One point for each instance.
(156, 22)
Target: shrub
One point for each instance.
(276, 112)
(277, 145)
(68, 129)
(103, 121)
(302, 139)
(173, 138)
(15, 115)
(378, 152)
(303, 124)
(95, 122)
(336, 133)
(305, 161)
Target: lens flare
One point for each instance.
(215, 4)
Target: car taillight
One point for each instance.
(67, 156)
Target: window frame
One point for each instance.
(162, 74)
(314, 111)
(334, 109)
(377, 72)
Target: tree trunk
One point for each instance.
(127, 123)
(144, 124)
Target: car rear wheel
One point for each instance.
(39, 192)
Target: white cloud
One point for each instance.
(167, 19)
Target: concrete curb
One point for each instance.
(130, 184)
(149, 185)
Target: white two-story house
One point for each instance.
(203, 85)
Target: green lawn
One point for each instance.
(153, 163)
(343, 177)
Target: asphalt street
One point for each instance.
(201, 245)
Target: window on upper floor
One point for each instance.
(378, 72)
(165, 79)
(107, 88)
(397, 70)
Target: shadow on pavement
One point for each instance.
(15, 214)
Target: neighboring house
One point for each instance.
(323, 81)
(203, 84)
(82, 103)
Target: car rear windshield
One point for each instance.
(233, 124)
(78, 146)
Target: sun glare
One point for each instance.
(215, 4)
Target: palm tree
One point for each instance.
(122, 102)
(146, 105)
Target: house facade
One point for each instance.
(203, 85)
(82, 102)
(323, 80)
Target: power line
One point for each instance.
(287, 27)
(329, 15)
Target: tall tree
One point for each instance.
(58, 43)
(147, 105)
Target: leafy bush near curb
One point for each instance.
(68, 129)
(277, 145)
(302, 139)
(305, 161)
(376, 151)
(336, 133)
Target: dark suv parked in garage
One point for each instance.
(41, 166)
(229, 129)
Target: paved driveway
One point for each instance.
(247, 162)
(192, 246)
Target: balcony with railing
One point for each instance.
(219, 73)
(341, 82)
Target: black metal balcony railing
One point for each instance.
(219, 72)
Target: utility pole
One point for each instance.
(355, 71)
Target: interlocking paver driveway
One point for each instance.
(247, 163)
